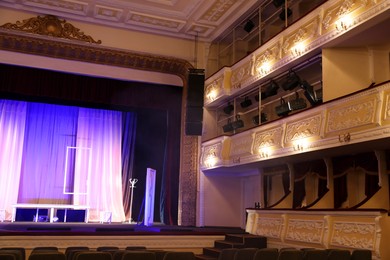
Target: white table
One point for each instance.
(51, 208)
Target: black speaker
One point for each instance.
(195, 90)
(194, 105)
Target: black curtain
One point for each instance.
(158, 109)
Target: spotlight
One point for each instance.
(249, 26)
(272, 89)
(309, 93)
(282, 15)
(246, 103)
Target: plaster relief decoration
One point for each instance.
(108, 13)
(215, 12)
(354, 235)
(51, 26)
(69, 6)
(211, 155)
(386, 112)
(239, 75)
(213, 90)
(151, 21)
(359, 114)
(266, 141)
(240, 147)
(262, 64)
(269, 227)
(297, 43)
(310, 231)
(306, 130)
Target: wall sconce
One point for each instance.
(344, 22)
(211, 160)
(211, 94)
(265, 152)
(264, 69)
(298, 49)
(300, 145)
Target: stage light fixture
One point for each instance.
(246, 102)
(249, 25)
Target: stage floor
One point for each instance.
(104, 229)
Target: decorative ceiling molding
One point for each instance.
(43, 46)
(51, 26)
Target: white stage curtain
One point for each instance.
(12, 129)
(99, 131)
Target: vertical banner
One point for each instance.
(149, 196)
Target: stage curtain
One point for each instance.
(49, 130)
(101, 131)
(12, 129)
(129, 126)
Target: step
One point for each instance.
(227, 244)
(248, 240)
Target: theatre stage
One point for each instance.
(93, 235)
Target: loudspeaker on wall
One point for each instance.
(194, 102)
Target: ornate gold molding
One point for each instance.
(50, 25)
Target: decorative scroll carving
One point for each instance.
(357, 114)
(271, 137)
(269, 227)
(211, 152)
(51, 26)
(302, 129)
(241, 145)
(354, 235)
(240, 74)
(310, 231)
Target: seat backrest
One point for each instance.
(92, 255)
(290, 254)
(7, 256)
(19, 253)
(339, 254)
(138, 255)
(361, 254)
(70, 251)
(47, 255)
(245, 254)
(44, 249)
(179, 256)
(315, 254)
(227, 253)
(136, 248)
(266, 254)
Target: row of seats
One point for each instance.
(101, 253)
(293, 254)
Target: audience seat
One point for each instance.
(138, 255)
(245, 254)
(266, 254)
(18, 252)
(7, 256)
(47, 255)
(92, 255)
(70, 251)
(179, 256)
(339, 254)
(290, 254)
(361, 254)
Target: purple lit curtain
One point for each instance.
(12, 126)
(34, 138)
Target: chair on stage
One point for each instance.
(70, 251)
(266, 254)
(19, 252)
(179, 256)
(138, 255)
(47, 255)
(92, 255)
(361, 254)
(245, 254)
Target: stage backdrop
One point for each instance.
(79, 134)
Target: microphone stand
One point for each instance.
(132, 186)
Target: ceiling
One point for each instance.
(179, 18)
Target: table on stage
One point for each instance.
(51, 208)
